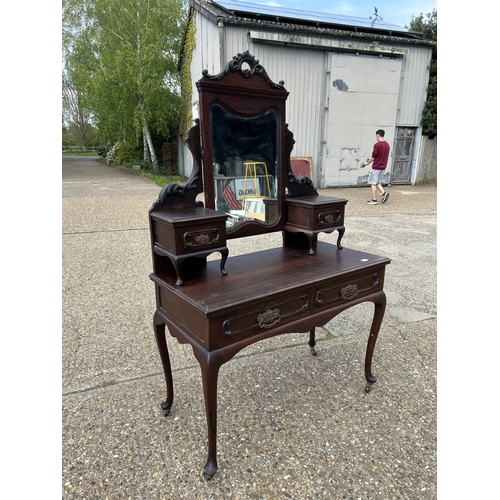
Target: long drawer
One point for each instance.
(265, 316)
(270, 314)
(350, 289)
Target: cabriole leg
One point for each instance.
(341, 231)
(161, 342)
(312, 341)
(372, 339)
(209, 371)
(224, 254)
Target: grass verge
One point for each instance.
(79, 153)
(163, 180)
(159, 179)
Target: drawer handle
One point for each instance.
(201, 239)
(349, 292)
(269, 318)
(329, 218)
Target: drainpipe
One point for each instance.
(222, 54)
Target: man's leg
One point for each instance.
(385, 194)
(373, 180)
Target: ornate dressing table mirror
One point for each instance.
(241, 150)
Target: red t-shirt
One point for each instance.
(380, 155)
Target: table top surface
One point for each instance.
(188, 214)
(315, 200)
(259, 274)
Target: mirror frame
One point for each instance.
(244, 89)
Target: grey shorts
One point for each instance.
(374, 177)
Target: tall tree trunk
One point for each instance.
(147, 137)
(146, 154)
(154, 160)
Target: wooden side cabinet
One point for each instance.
(307, 216)
(181, 233)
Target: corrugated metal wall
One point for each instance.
(205, 56)
(427, 162)
(413, 90)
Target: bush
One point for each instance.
(129, 152)
(112, 152)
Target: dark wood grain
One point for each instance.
(259, 274)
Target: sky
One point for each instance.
(391, 11)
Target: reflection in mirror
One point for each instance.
(244, 165)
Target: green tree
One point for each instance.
(123, 54)
(72, 133)
(428, 26)
(78, 129)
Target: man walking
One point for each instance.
(379, 158)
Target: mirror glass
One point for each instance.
(245, 165)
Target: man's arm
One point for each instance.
(367, 162)
(372, 159)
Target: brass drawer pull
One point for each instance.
(201, 239)
(269, 318)
(349, 292)
(266, 319)
(329, 218)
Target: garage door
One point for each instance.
(362, 98)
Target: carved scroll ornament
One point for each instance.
(248, 66)
(185, 194)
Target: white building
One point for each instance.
(347, 77)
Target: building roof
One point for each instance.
(260, 16)
(319, 19)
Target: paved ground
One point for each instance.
(290, 425)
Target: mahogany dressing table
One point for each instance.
(292, 289)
